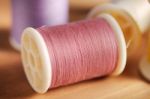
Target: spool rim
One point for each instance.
(45, 69)
(121, 44)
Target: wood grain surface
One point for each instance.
(13, 83)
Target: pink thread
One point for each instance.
(80, 51)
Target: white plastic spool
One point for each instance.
(36, 60)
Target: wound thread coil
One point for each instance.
(35, 13)
(70, 53)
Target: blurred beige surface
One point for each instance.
(86, 4)
(4, 14)
(13, 84)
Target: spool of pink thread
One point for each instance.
(35, 13)
(66, 54)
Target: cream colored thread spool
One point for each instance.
(133, 22)
(36, 60)
(139, 11)
(144, 65)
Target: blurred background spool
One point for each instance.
(144, 65)
(134, 20)
(78, 10)
(36, 13)
(50, 42)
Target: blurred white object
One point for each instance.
(139, 10)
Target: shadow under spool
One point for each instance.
(35, 13)
(66, 54)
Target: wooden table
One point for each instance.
(13, 83)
